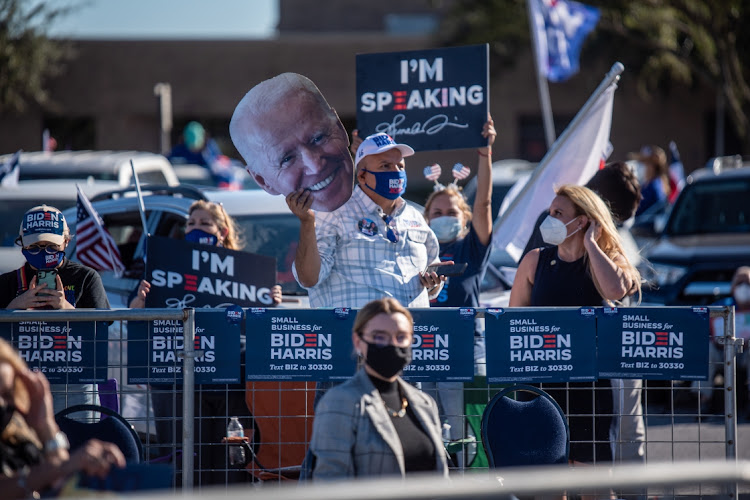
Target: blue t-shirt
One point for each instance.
(652, 192)
(463, 291)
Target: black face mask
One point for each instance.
(388, 360)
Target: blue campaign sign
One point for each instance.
(153, 348)
(299, 344)
(443, 346)
(428, 99)
(185, 274)
(664, 343)
(541, 346)
(67, 352)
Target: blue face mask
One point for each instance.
(446, 228)
(44, 260)
(201, 237)
(389, 185)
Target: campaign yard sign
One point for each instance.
(185, 274)
(526, 345)
(299, 344)
(67, 352)
(429, 99)
(154, 349)
(443, 345)
(664, 343)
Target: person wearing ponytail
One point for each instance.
(376, 424)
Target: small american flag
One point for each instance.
(432, 172)
(9, 170)
(95, 246)
(460, 172)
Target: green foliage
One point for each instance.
(662, 42)
(28, 58)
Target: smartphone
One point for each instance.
(449, 270)
(47, 277)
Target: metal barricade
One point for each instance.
(662, 439)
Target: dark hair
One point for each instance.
(618, 186)
(387, 305)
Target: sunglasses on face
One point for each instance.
(390, 224)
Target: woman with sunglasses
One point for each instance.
(375, 423)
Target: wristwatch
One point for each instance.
(58, 442)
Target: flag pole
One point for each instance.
(609, 79)
(541, 80)
(141, 206)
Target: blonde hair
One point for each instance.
(233, 239)
(453, 192)
(588, 203)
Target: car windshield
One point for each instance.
(712, 207)
(13, 211)
(274, 236)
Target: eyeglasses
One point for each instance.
(390, 225)
(36, 249)
(382, 339)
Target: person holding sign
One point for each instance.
(50, 281)
(375, 423)
(375, 245)
(34, 453)
(209, 224)
(293, 140)
(586, 266)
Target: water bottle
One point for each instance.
(446, 433)
(236, 452)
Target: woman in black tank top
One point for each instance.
(586, 267)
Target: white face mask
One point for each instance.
(554, 231)
(446, 228)
(742, 293)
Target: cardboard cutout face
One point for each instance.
(291, 139)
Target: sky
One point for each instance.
(164, 19)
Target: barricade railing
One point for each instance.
(482, 390)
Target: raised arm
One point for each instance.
(307, 258)
(613, 281)
(482, 210)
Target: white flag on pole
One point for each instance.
(573, 161)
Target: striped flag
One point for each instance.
(460, 172)
(432, 172)
(95, 247)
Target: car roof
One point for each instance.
(709, 175)
(44, 189)
(89, 162)
(236, 203)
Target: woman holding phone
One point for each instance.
(50, 281)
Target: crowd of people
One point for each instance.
(361, 245)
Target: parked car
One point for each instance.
(267, 225)
(505, 174)
(17, 201)
(705, 239)
(98, 165)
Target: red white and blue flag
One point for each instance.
(460, 172)
(9, 170)
(432, 172)
(95, 247)
(560, 27)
